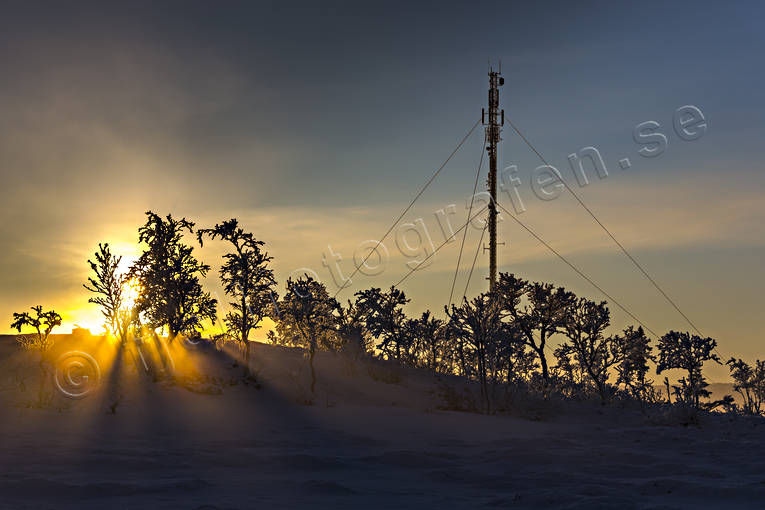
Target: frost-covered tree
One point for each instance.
(40, 341)
(593, 353)
(385, 319)
(537, 310)
(353, 337)
(632, 371)
(246, 277)
(687, 352)
(108, 285)
(43, 324)
(749, 382)
(306, 315)
(168, 273)
(429, 339)
(479, 324)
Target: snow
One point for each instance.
(368, 441)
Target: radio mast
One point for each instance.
(495, 121)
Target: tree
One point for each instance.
(429, 336)
(306, 315)
(749, 382)
(569, 375)
(109, 286)
(246, 277)
(456, 351)
(385, 319)
(513, 358)
(169, 275)
(349, 324)
(543, 315)
(687, 352)
(635, 353)
(478, 323)
(42, 322)
(40, 341)
(594, 354)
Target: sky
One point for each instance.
(316, 125)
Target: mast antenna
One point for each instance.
(494, 122)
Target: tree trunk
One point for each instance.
(463, 362)
(543, 362)
(669, 392)
(172, 331)
(485, 391)
(244, 333)
(601, 390)
(482, 376)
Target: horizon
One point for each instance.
(382, 254)
(317, 140)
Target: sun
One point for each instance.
(131, 289)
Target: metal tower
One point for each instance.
(495, 121)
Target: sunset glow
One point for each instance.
(382, 255)
(131, 290)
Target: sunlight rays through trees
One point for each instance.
(500, 340)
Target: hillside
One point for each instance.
(376, 436)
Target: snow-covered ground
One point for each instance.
(373, 438)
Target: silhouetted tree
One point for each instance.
(632, 371)
(385, 319)
(459, 351)
(429, 336)
(513, 358)
(450, 361)
(478, 323)
(595, 355)
(108, 285)
(687, 352)
(749, 382)
(306, 313)
(246, 277)
(507, 360)
(40, 341)
(168, 273)
(542, 315)
(570, 379)
(354, 339)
